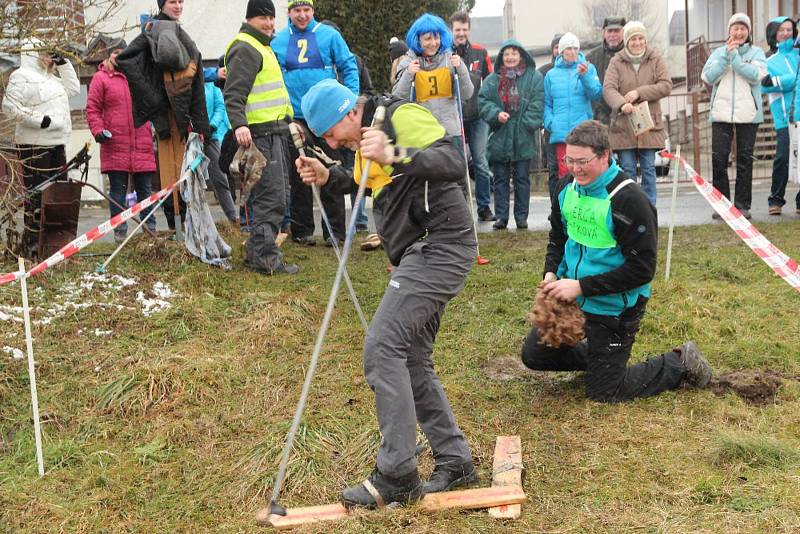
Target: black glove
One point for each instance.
(766, 81)
(46, 120)
(103, 136)
(58, 59)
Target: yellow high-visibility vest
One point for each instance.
(268, 99)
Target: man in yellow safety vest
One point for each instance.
(259, 109)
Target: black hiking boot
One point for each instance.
(447, 477)
(485, 215)
(698, 370)
(380, 490)
(282, 268)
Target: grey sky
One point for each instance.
(489, 8)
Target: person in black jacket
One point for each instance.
(476, 129)
(426, 229)
(602, 255)
(165, 75)
(601, 56)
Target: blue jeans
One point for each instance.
(477, 133)
(522, 189)
(118, 188)
(780, 171)
(647, 163)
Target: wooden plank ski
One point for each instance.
(507, 471)
(469, 499)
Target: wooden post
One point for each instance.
(675, 173)
(37, 427)
(696, 130)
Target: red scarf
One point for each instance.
(507, 88)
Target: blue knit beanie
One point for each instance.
(325, 104)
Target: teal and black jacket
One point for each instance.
(424, 199)
(612, 279)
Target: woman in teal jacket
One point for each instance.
(570, 87)
(779, 86)
(511, 101)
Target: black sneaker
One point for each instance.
(486, 215)
(307, 240)
(716, 216)
(746, 213)
(329, 242)
(380, 490)
(522, 225)
(447, 477)
(698, 371)
(500, 225)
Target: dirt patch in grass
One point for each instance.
(505, 369)
(755, 386)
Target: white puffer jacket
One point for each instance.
(33, 93)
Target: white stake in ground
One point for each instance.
(37, 428)
(676, 170)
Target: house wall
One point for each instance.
(574, 16)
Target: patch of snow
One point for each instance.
(17, 354)
(99, 333)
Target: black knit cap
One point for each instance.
(260, 8)
(161, 4)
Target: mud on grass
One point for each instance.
(175, 422)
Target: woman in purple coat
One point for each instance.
(126, 152)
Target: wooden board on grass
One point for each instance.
(507, 471)
(462, 500)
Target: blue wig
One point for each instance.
(428, 23)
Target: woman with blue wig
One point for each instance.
(427, 72)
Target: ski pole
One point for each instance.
(481, 260)
(275, 507)
(297, 138)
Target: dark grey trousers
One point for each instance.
(269, 204)
(219, 182)
(397, 357)
(604, 356)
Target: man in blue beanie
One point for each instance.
(258, 107)
(426, 230)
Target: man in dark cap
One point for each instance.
(258, 107)
(601, 56)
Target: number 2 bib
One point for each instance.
(303, 52)
(436, 83)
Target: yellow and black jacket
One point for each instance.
(418, 197)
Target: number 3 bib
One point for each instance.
(430, 84)
(303, 52)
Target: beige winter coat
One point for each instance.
(652, 82)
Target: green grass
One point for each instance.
(175, 423)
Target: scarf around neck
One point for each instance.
(507, 88)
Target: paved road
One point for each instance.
(691, 209)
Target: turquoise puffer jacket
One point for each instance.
(568, 97)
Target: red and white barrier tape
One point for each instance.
(783, 265)
(91, 236)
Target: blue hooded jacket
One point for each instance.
(316, 54)
(782, 69)
(217, 116)
(568, 97)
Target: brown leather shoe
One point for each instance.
(775, 210)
